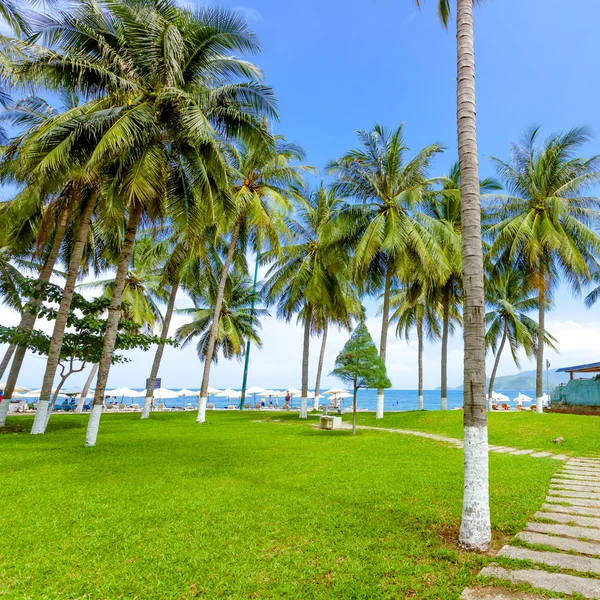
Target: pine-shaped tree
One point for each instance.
(359, 363)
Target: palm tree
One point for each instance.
(546, 223)
(510, 296)
(442, 215)
(384, 228)
(238, 320)
(414, 307)
(309, 276)
(475, 530)
(263, 185)
(151, 106)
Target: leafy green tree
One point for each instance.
(475, 530)
(384, 230)
(359, 364)
(545, 225)
(509, 297)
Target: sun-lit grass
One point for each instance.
(581, 433)
(240, 509)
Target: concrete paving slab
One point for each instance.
(576, 477)
(523, 451)
(541, 454)
(585, 511)
(574, 501)
(560, 457)
(492, 593)
(553, 582)
(561, 543)
(594, 488)
(583, 564)
(573, 494)
(571, 531)
(586, 522)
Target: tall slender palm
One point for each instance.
(510, 296)
(442, 215)
(263, 179)
(385, 229)
(414, 308)
(237, 323)
(475, 529)
(546, 222)
(151, 106)
(309, 276)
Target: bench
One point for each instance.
(330, 422)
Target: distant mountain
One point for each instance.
(525, 381)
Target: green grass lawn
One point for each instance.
(238, 509)
(525, 429)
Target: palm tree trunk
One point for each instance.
(496, 363)
(354, 410)
(7, 356)
(29, 314)
(475, 529)
(60, 324)
(86, 388)
(159, 351)
(420, 353)
(445, 332)
(320, 368)
(53, 399)
(212, 340)
(112, 324)
(305, 357)
(385, 323)
(539, 374)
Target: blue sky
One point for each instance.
(338, 66)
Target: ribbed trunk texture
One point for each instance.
(420, 353)
(7, 356)
(212, 340)
(475, 529)
(539, 373)
(445, 333)
(496, 363)
(159, 351)
(29, 315)
(112, 324)
(60, 324)
(320, 368)
(385, 322)
(86, 388)
(305, 358)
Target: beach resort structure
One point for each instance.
(582, 391)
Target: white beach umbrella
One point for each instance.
(164, 394)
(335, 391)
(294, 391)
(124, 391)
(522, 398)
(308, 395)
(229, 393)
(255, 390)
(500, 397)
(212, 391)
(18, 388)
(73, 391)
(36, 393)
(186, 392)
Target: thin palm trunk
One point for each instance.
(112, 324)
(29, 314)
(420, 353)
(305, 358)
(385, 322)
(7, 356)
(539, 374)
(86, 388)
(60, 324)
(496, 363)
(475, 529)
(320, 368)
(445, 333)
(214, 329)
(354, 410)
(159, 351)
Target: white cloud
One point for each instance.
(251, 14)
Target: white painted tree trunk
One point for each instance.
(475, 530)
(444, 403)
(91, 434)
(146, 409)
(201, 410)
(379, 412)
(315, 404)
(539, 406)
(41, 417)
(421, 403)
(490, 402)
(86, 388)
(303, 408)
(4, 411)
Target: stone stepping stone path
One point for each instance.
(561, 543)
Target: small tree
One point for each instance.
(359, 363)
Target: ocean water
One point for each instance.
(395, 400)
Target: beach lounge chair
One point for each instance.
(533, 407)
(135, 407)
(161, 407)
(211, 406)
(505, 407)
(122, 407)
(495, 407)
